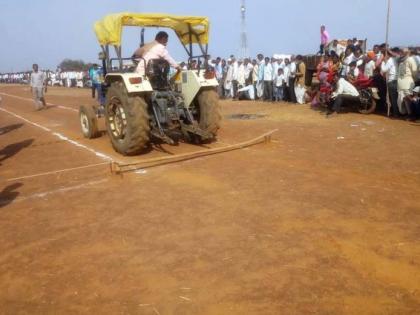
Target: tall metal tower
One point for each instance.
(244, 53)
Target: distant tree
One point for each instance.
(73, 65)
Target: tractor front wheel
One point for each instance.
(88, 122)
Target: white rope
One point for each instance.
(56, 172)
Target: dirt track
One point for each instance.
(323, 220)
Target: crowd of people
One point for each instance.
(343, 67)
(54, 78)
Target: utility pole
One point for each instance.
(386, 43)
(244, 39)
(387, 22)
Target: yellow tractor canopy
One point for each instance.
(190, 29)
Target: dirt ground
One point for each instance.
(325, 219)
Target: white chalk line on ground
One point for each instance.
(61, 137)
(31, 100)
(57, 171)
(59, 190)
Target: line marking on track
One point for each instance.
(57, 171)
(61, 137)
(31, 100)
(59, 190)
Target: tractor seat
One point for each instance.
(157, 71)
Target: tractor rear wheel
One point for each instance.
(88, 122)
(209, 111)
(127, 120)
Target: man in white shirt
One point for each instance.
(279, 83)
(247, 92)
(228, 79)
(268, 80)
(389, 70)
(38, 86)
(260, 82)
(338, 48)
(407, 71)
(292, 78)
(349, 58)
(344, 92)
(370, 65)
(235, 76)
(286, 73)
(154, 50)
(241, 74)
(247, 69)
(255, 69)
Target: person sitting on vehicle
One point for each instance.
(337, 48)
(353, 72)
(413, 101)
(344, 92)
(154, 50)
(370, 64)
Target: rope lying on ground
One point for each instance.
(119, 168)
(56, 172)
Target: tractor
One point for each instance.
(154, 107)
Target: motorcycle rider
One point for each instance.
(344, 92)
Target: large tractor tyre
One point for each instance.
(88, 122)
(209, 111)
(127, 120)
(368, 108)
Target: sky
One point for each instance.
(48, 31)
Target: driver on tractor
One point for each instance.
(154, 50)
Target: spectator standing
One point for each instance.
(228, 79)
(260, 83)
(38, 87)
(407, 72)
(248, 67)
(279, 85)
(241, 75)
(235, 76)
(292, 79)
(370, 64)
(389, 70)
(300, 80)
(286, 72)
(268, 79)
(218, 70)
(92, 78)
(255, 75)
(325, 37)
